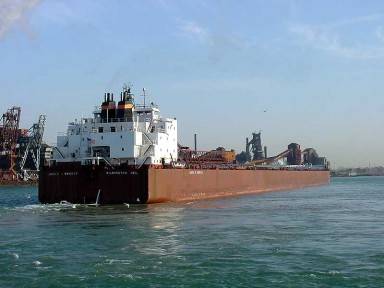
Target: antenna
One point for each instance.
(127, 87)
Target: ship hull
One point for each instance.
(81, 184)
(185, 184)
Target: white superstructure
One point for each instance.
(128, 133)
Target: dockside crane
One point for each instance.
(33, 149)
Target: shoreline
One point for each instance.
(18, 183)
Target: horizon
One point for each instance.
(296, 71)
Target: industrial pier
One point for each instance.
(21, 150)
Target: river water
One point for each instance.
(330, 236)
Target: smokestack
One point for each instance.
(111, 96)
(247, 145)
(195, 138)
(105, 97)
(265, 152)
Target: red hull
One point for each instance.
(185, 184)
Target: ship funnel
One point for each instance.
(108, 108)
(125, 106)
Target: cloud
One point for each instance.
(380, 33)
(192, 29)
(355, 20)
(328, 38)
(13, 12)
(218, 44)
(218, 39)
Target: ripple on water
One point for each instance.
(327, 236)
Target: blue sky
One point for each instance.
(315, 67)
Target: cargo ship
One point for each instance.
(129, 153)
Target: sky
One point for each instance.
(309, 72)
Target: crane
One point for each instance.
(33, 148)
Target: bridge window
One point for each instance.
(113, 129)
(101, 130)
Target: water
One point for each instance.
(328, 236)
